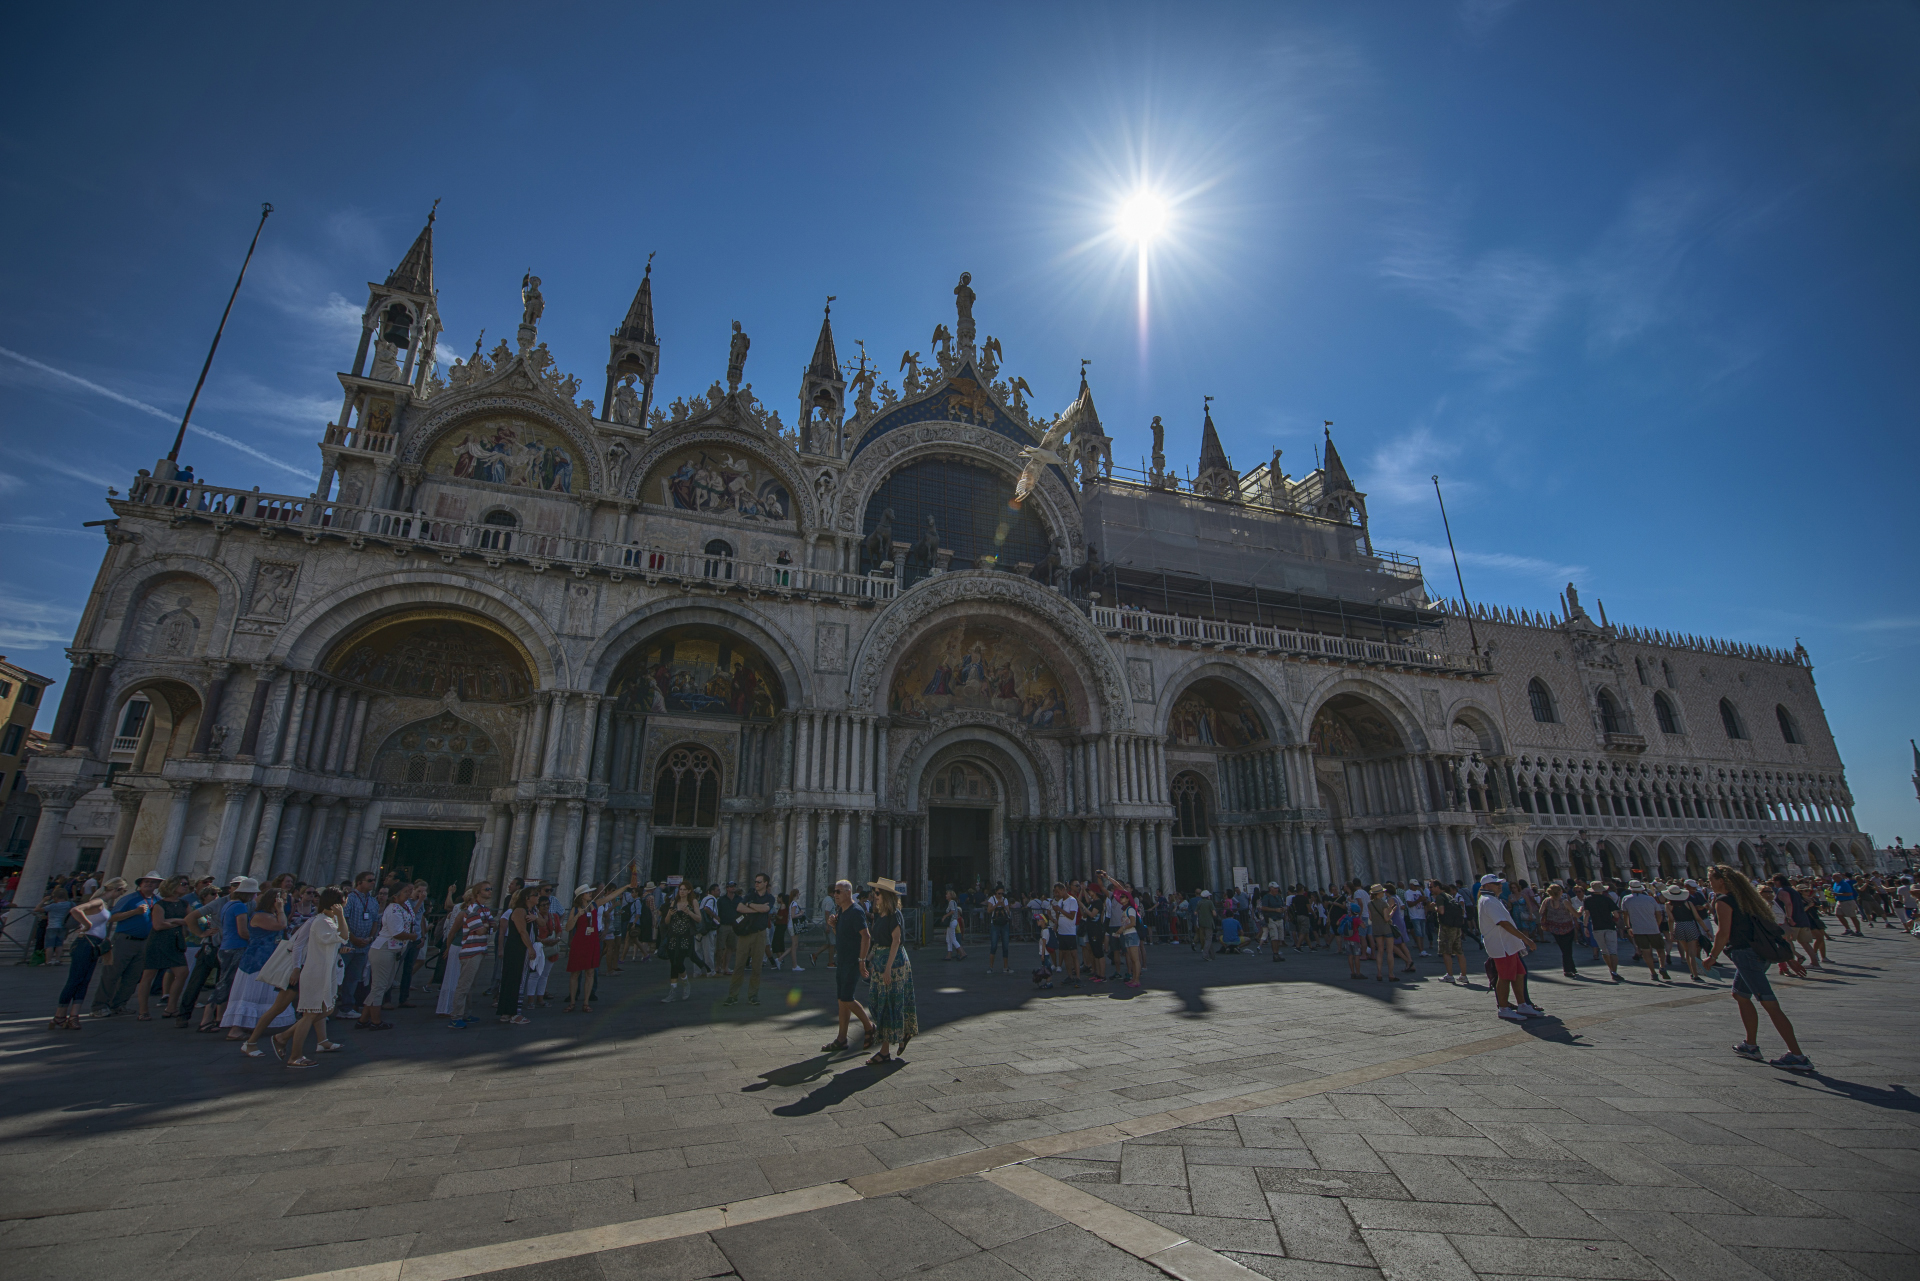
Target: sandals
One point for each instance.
(279, 1050)
(302, 1062)
(567, 1008)
(252, 1051)
(834, 1047)
(330, 1047)
(902, 1047)
(878, 1059)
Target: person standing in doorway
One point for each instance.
(753, 915)
(851, 941)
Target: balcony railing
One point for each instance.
(1207, 631)
(499, 543)
(372, 442)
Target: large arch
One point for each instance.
(637, 628)
(1078, 654)
(1279, 727)
(138, 596)
(501, 399)
(779, 459)
(347, 610)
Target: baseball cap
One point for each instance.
(1492, 878)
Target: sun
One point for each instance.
(1142, 216)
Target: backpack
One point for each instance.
(1770, 942)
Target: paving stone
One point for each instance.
(1281, 1269)
(1067, 1253)
(1318, 1228)
(1334, 1183)
(985, 1214)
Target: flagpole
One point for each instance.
(173, 455)
(1472, 634)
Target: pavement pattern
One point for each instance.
(1233, 1119)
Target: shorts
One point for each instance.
(1650, 943)
(1510, 967)
(1450, 941)
(1066, 942)
(1302, 926)
(1130, 938)
(1355, 947)
(1801, 935)
(1846, 907)
(1607, 941)
(1686, 932)
(1750, 975)
(1093, 937)
(845, 980)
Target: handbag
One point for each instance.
(279, 971)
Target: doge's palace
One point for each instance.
(925, 630)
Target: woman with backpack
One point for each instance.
(1751, 939)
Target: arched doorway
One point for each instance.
(686, 810)
(963, 802)
(1192, 807)
(1549, 861)
(1360, 763)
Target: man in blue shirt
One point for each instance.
(1846, 904)
(363, 923)
(131, 922)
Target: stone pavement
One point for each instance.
(1236, 1118)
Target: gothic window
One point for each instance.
(1663, 710)
(1667, 672)
(1730, 720)
(1611, 721)
(962, 782)
(1788, 730)
(686, 791)
(1640, 670)
(1190, 803)
(1541, 700)
(719, 562)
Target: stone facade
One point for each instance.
(691, 637)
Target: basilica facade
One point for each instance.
(925, 631)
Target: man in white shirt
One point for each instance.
(384, 957)
(1066, 932)
(1416, 900)
(1645, 916)
(1507, 948)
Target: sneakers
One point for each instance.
(671, 987)
(753, 1000)
(1792, 1063)
(732, 1000)
(1530, 1010)
(456, 1025)
(686, 991)
(1748, 1050)
(1512, 1015)
(1446, 978)
(798, 968)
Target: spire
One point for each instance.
(1336, 472)
(825, 363)
(638, 326)
(1212, 456)
(414, 275)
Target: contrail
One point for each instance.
(155, 410)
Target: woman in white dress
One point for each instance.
(318, 980)
(253, 999)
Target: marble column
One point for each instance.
(316, 863)
(239, 797)
(210, 710)
(516, 867)
(129, 800)
(272, 812)
(569, 873)
(39, 868)
(176, 830)
(539, 857)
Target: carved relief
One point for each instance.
(1140, 679)
(830, 647)
(579, 615)
(272, 594)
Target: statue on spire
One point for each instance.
(737, 356)
(532, 305)
(963, 304)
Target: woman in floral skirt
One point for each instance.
(890, 974)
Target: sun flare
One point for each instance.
(1142, 216)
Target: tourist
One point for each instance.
(890, 975)
(1601, 914)
(253, 1005)
(679, 940)
(1380, 932)
(460, 917)
(363, 923)
(544, 924)
(202, 931)
(318, 982)
(165, 958)
(1272, 907)
(56, 914)
(786, 935)
(952, 918)
(999, 930)
(90, 918)
(1816, 927)
(236, 910)
(1202, 908)
(1124, 929)
(1064, 919)
(1452, 916)
(515, 948)
(385, 956)
(1561, 921)
(1646, 920)
(753, 914)
(132, 922)
(1686, 928)
(709, 928)
(1745, 926)
(1507, 948)
(849, 925)
(726, 910)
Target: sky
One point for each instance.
(1637, 281)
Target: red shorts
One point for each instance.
(1510, 967)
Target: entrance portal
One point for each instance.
(434, 855)
(682, 856)
(1189, 865)
(957, 854)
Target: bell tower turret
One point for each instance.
(1216, 476)
(823, 395)
(634, 358)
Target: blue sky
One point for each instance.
(1639, 281)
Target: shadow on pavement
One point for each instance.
(840, 1089)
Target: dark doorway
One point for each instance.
(956, 848)
(1189, 866)
(682, 856)
(438, 857)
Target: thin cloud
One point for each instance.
(1432, 555)
(63, 468)
(22, 528)
(1505, 298)
(32, 623)
(153, 410)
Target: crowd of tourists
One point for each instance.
(276, 966)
